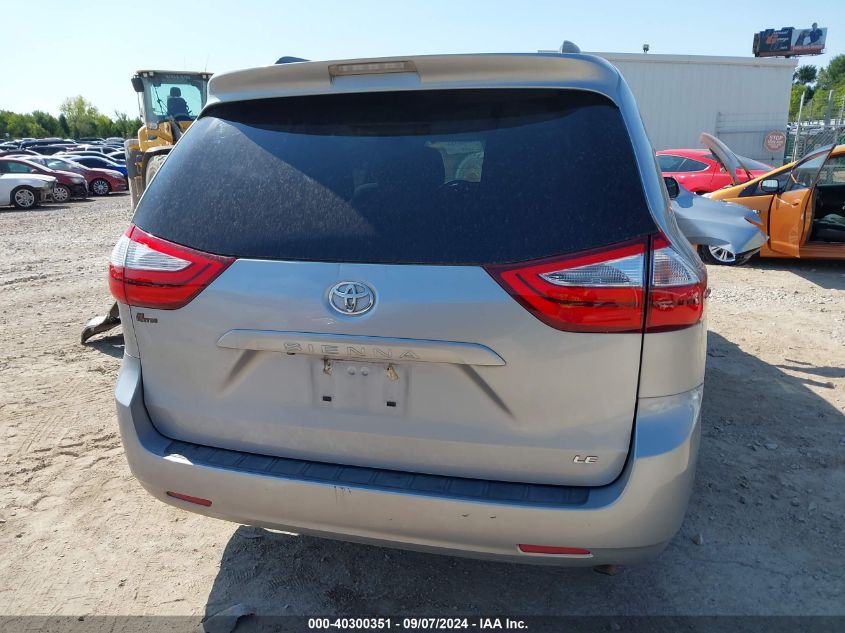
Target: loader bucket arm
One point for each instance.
(101, 324)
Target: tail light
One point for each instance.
(596, 291)
(604, 290)
(147, 271)
(677, 292)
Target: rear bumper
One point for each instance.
(628, 521)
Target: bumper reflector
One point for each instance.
(198, 500)
(548, 549)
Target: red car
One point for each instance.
(68, 185)
(699, 171)
(101, 182)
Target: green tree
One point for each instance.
(833, 76)
(81, 116)
(64, 128)
(103, 125)
(817, 96)
(805, 74)
(14, 124)
(34, 130)
(126, 127)
(78, 118)
(47, 122)
(795, 100)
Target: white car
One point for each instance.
(25, 191)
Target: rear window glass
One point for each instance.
(439, 177)
(670, 162)
(693, 165)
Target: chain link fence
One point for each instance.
(820, 122)
(745, 133)
(804, 137)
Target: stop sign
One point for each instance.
(774, 141)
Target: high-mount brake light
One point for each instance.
(372, 68)
(604, 291)
(147, 271)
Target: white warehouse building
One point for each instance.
(737, 99)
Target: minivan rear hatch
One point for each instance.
(368, 312)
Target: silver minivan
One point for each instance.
(438, 303)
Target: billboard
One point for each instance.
(789, 41)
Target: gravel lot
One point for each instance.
(78, 535)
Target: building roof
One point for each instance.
(652, 58)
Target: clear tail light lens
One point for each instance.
(147, 271)
(604, 290)
(677, 292)
(594, 291)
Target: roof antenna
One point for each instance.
(287, 59)
(569, 47)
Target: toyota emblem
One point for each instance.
(351, 298)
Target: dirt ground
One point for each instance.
(78, 535)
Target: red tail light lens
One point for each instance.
(677, 291)
(596, 291)
(147, 271)
(603, 290)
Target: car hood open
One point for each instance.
(729, 161)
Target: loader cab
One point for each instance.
(168, 96)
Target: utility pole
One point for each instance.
(798, 127)
(829, 111)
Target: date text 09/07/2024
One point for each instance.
(416, 623)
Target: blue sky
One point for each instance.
(92, 47)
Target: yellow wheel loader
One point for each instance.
(171, 101)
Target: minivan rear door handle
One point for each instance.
(364, 348)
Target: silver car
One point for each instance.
(437, 303)
(726, 233)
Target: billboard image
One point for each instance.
(788, 41)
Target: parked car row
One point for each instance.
(68, 179)
(101, 177)
(111, 148)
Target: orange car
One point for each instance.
(802, 204)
